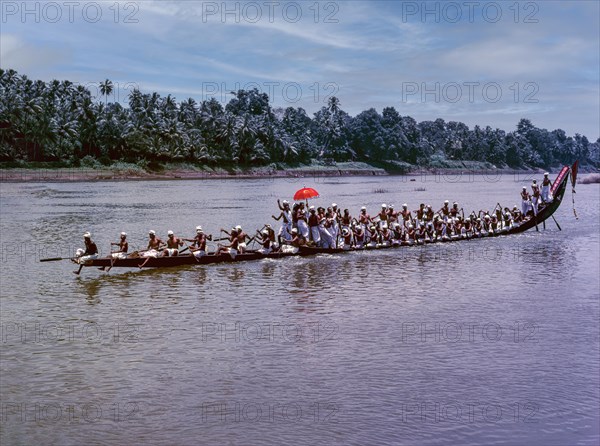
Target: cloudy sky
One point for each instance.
(486, 63)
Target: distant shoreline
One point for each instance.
(78, 174)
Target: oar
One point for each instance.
(54, 259)
(191, 252)
(559, 228)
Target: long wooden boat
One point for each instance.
(558, 190)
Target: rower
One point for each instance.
(487, 225)
(154, 245)
(173, 245)
(535, 197)
(517, 216)
(478, 226)
(242, 237)
(525, 203)
(397, 235)
(546, 186)
(410, 233)
(298, 238)
(232, 248)
(494, 223)
(468, 227)
(198, 246)
(123, 247)
(121, 253)
(85, 256)
(286, 216)
(313, 224)
(507, 218)
(420, 233)
(359, 237)
(347, 238)
(386, 237)
(265, 242)
(271, 232)
(372, 237)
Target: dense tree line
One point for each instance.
(60, 121)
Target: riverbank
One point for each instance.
(133, 172)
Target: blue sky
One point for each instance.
(486, 63)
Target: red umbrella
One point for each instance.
(305, 193)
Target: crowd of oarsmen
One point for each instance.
(333, 228)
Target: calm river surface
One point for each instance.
(490, 342)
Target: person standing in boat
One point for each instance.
(337, 217)
(84, 256)
(346, 220)
(286, 224)
(301, 221)
(173, 245)
(405, 213)
(420, 214)
(383, 216)
(392, 215)
(313, 224)
(429, 213)
(546, 186)
(445, 211)
(454, 210)
(535, 197)
(364, 219)
(326, 239)
(525, 201)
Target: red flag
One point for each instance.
(574, 173)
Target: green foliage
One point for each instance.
(57, 121)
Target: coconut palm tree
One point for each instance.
(106, 88)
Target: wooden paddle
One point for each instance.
(559, 228)
(54, 259)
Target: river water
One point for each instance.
(487, 342)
